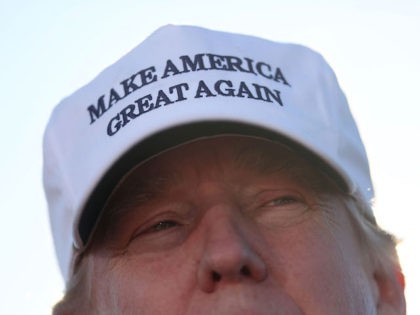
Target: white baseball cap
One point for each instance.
(183, 83)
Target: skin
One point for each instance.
(228, 226)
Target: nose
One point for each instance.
(228, 257)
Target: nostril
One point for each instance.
(216, 276)
(245, 271)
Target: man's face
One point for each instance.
(233, 226)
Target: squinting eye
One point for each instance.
(282, 210)
(162, 225)
(286, 200)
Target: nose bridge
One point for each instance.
(228, 256)
(225, 236)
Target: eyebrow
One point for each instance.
(135, 191)
(281, 160)
(265, 160)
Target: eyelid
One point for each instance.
(181, 214)
(157, 227)
(272, 213)
(286, 198)
(147, 224)
(147, 237)
(268, 197)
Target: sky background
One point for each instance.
(51, 48)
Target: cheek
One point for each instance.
(318, 268)
(150, 283)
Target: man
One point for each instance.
(215, 173)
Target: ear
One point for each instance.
(390, 285)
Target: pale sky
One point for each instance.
(51, 48)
